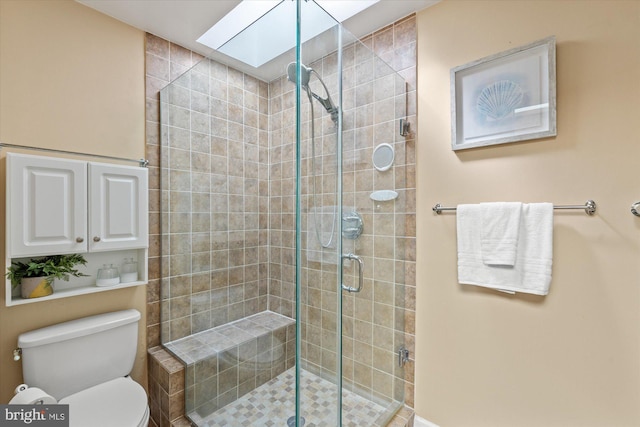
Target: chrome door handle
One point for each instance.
(353, 257)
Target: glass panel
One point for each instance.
(320, 139)
(215, 264)
(374, 99)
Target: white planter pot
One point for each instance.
(35, 287)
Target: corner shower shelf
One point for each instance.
(383, 195)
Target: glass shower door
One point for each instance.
(351, 223)
(318, 219)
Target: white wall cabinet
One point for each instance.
(59, 206)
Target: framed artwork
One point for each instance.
(506, 97)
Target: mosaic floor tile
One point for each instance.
(274, 402)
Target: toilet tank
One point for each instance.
(68, 357)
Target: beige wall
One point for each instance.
(71, 79)
(571, 358)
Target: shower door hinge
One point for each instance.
(405, 127)
(403, 356)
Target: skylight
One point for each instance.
(257, 31)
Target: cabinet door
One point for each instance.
(118, 207)
(47, 205)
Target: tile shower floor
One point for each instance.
(273, 403)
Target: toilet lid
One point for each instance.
(117, 403)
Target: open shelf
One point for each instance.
(65, 293)
(87, 284)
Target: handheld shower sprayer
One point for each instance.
(327, 103)
(305, 76)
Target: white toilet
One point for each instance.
(85, 363)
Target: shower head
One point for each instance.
(304, 76)
(327, 103)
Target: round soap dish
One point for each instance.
(384, 195)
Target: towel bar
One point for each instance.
(589, 207)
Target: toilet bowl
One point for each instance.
(86, 363)
(119, 402)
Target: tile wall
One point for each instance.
(213, 172)
(396, 45)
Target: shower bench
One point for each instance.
(226, 362)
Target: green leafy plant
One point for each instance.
(52, 267)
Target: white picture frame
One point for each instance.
(506, 97)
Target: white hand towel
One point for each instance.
(499, 232)
(531, 272)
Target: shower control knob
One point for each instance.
(96, 239)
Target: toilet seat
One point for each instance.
(117, 403)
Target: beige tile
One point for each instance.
(180, 422)
(153, 336)
(383, 40)
(156, 45)
(180, 55)
(405, 57)
(180, 307)
(153, 85)
(180, 328)
(153, 313)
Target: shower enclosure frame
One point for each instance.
(299, 227)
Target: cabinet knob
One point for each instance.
(96, 239)
(79, 239)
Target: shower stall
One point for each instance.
(283, 228)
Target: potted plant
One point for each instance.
(36, 276)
